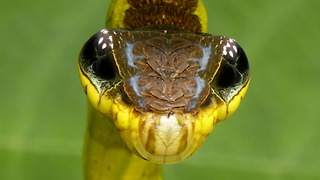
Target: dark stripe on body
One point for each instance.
(149, 12)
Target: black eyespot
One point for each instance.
(96, 56)
(234, 67)
(242, 61)
(104, 67)
(88, 51)
(227, 76)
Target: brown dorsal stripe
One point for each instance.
(188, 5)
(149, 12)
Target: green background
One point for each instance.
(273, 135)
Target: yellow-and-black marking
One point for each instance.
(160, 78)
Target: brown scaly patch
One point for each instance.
(149, 12)
(167, 76)
(188, 5)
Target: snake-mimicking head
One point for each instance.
(164, 88)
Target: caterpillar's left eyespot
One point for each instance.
(97, 60)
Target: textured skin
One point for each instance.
(105, 153)
(116, 13)
(160, 88)
(167, 76)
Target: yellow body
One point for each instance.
(108, 157)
